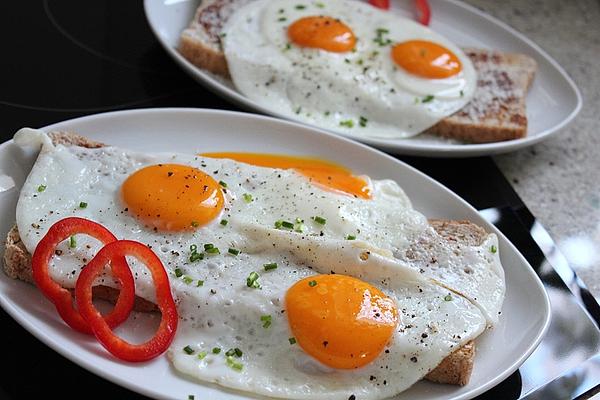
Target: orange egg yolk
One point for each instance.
(341, 321)
(324, 33)
(172, 197)
(322, 173)
(426, 59)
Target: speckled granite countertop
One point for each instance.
(559, 179)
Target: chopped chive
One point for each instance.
(278, 224)
(191, 397)
(298, 110)
(312, 283)
(350, 237)
(224, 222)
(83, 204)
(252, 280)
(299, 227)
(270, 266)
(41, 188)
(72, 242)
(292, 340)
(299, 220)
(287, 46)
(234, 352)
(223, 184)
(300, 7)
(448, 297)
(247, 197)
(320, 4)
(363, 121)
(233, 364)
(327, 113)
(233, 251)
(208, 246)
(195, 224)
(347, 123)
(199, 283)
(178, 272)
(281, 19)
(462, 93)
(188, 350)
(287, 225)
(493, 249)
(187, 280)
(267, 320)
(201, 355)
(216, 350)
(319, 220)
(213, 250)
(427, 98)
(195, 256)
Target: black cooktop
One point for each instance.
(64, 59)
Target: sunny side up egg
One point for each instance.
(346, 66)
(287, 285)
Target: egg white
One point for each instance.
(224, 312)
(329, 89)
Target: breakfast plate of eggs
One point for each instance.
(465, 85)
(296, 263)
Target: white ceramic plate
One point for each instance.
(526, 311)
(553, 100)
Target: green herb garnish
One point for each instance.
(83, 204)
(270, 266)
(252, 280)
(188, 350)
(319, 220)
(233, 251)
(312, 283)
(266, 319)
(41, 188)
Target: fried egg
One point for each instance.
(346, 66)
(288, 275)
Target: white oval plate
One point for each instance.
(552, 103)
(526, 311)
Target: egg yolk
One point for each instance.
(172, 197)
(322, 173)
(341, 321)
(426, 59)
(324, 33)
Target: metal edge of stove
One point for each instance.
(566, 365)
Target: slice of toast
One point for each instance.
(455, 369)
(496, 113)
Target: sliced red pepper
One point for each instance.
(114, 344)
(61, 297)
(424, 11)
(384, 4)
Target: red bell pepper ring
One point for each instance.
(424, 11)
(61, 297)
(103, 332)
(383, 4)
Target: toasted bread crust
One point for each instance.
(203, 56)
(454, 369)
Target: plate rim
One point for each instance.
(49, 339)
(399, 146)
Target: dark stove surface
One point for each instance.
(64, 59)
